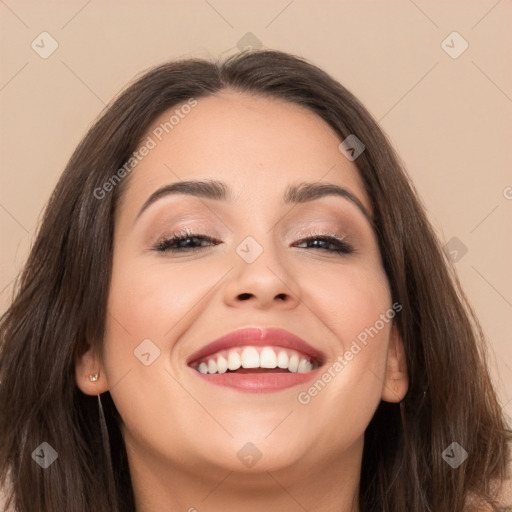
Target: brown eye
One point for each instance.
(185, 242)
(329, 243)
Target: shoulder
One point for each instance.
(3, 500)
(503, 494)
(505, 497)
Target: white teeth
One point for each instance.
(250, 358)
(256, 357)
(234, 360)
(282, 359)
(212, 366)
(293, 364)
(268, 358)
(222, 364)
(304, 366)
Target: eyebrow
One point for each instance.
(219, 191)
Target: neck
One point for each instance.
(332, 487)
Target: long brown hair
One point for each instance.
(60, 306)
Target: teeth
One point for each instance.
(234, 360)
(282, 359)
(293, 364)
(304, 366)
(222, 364)
(256, 357)
(250, 358)
(212, 366)
(268, 358)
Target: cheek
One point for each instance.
(350, 306)
(147, 307)
(348, 300)
(145, 303)
(150, 299)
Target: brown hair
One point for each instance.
(61, 297)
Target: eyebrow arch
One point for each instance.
(219, 191)
(207, 189)
(305, 192)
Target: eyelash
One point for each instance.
(169, 244)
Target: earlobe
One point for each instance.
(89, 375)
(396, 380)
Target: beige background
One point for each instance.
(450, 119)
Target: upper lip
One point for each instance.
(257, 336)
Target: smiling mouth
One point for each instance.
(254, 359)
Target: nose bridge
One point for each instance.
(261, 275)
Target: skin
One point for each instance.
(183, 434)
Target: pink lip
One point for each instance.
(257, 337)
(258, 382)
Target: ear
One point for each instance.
(396, 381)
(89, 373)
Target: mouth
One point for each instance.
(257, 360)
(251, 359)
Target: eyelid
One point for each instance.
(344, 240)
(315, 231)
(201, 231)
(183, 232)
(342, 244)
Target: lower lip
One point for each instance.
(258, 382)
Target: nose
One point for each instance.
(263, 284)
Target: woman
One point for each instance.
(236, 302)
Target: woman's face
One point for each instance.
(260, 257)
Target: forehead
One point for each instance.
(257, 145)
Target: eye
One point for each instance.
(327, 242)
(185, 241)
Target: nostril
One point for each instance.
(281, 296)
(244, 296)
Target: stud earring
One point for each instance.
(93, 377)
